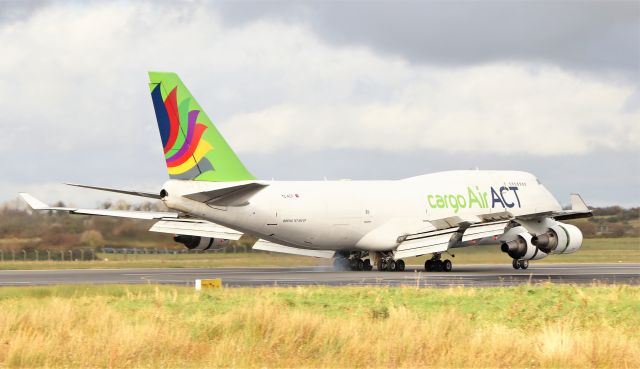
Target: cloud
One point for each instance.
(76, 106)
(595, 36)
(500, 108)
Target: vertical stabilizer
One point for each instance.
(193, 147)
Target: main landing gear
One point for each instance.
(356, 261)
(390, 265)
(520, 264)
(435, 264)
(353, 261)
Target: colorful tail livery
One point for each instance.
(193, 147)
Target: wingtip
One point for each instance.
(578, 203)
(34, 203)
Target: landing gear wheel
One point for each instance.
(391, 265)
(524, 264)
(516, 264)
(437, 265)
(360, 264)
(381, 265)
(446, 265)
(367, 265)
(400, 265)
(433, 265)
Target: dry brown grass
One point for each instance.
(170, 327)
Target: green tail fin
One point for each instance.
(193, 147)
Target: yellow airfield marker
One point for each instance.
(208, 283)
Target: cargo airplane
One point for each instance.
(213, 198)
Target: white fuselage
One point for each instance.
(365, 215)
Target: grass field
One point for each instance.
(602, 250)
(151, 326)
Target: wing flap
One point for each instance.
(198, 228)
(481, 231)
(421, 246)
(442, 239)
(264, 245)
(144, 215)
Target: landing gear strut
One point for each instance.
(520, 264)
(435, 264)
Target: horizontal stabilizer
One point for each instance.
(192, 227)
(228, 196)
(36, 204)
(124, 192)
(263, 245)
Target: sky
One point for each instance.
(313, 90)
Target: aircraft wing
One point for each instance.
(449, 232)
(202, 228)
(579, 209)
(168, 222)
(440, 240)
(36, 204)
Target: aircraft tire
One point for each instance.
(437, 265)
(429, 265)
(360, 264)
(367, 265)
(400, 265)
(515, 264)
(391, 266)
(446, 265)
(381, 265)
(524, 264)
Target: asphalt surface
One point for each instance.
(461, 275)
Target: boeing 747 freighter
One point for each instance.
(213, 198)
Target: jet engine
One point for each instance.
(201, 243)
(560, 238)
(520, 247)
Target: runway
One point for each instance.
(462, 275)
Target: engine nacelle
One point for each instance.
(519, 247)
(560, 238)
(201, 243)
